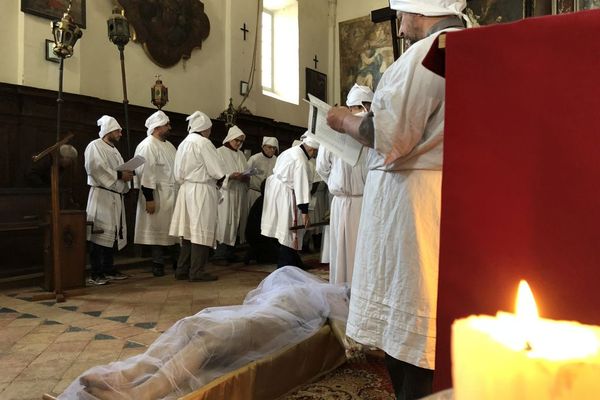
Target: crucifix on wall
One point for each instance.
(245, 30)
(316, 60)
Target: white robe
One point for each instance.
(197, 169)
(285, 189)
(346, 183)
(105, 206)
(394, 287)
(157, 174)
(233, 210)
(265, 165)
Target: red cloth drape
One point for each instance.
(521, 183)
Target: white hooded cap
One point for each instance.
(107, 124)
(157, 119)
(234, 132)
(67, 151)
(359, 94)
(310, 140)
(429, 8)
(270, 141)
(296, 143)
(198, 122)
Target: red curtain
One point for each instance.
(521, 183)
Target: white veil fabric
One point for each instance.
(287, 307)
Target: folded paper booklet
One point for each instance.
(132, 164)
(341, 145)
(251, 171)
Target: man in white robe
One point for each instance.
(233, 209)
(158, 192)
(394, 287)
(198, 171)
(286, 192)
(264, 163)
(105, 208)
(346, 183)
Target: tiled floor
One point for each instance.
(44, 345)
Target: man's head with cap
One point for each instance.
(235, 138)
(110, 130)
(310, 143)
(199, 123)
(419, 15)
(68, 155)
(158, 125)
(359, 98)
(270, 145)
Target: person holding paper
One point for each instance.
(198, 170)
(158, 192)
(394, 287)
(264, 163)
(233, 209)
(105, 208)
(346, 184)
(286, 192)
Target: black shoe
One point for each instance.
(115, 276)
(205, 277)
(158, 269)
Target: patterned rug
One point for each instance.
(360, 380)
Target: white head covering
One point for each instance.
(359, 94)
(270, 141)
(429, 8)
(157, 119)
(198, 122)
(234, 132)
(310, 140)
(296, 143)
(107, 124)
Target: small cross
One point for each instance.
(244, 30)
(157, 76)
(316, 60)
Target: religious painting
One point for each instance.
(316, 84)
(365, 53)
(486, 12)
(587, 4)
(563, 6)
(54, 9)
(167, 29)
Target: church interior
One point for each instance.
(221, 57)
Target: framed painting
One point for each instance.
(586, 4)
(365, 53)
(563, 6)
(316, 84)
(487, 12)
(54, 9)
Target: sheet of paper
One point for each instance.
(251, 171)
(132, 164)
(339, 144)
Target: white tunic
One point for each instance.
(394, 287)
(285, 189)
(157, 174)
(197, 169)
(105, 206)
(265, 166)
(233, 210)
(346, 183)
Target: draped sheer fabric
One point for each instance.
(287, 307)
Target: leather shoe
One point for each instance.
(205, 277)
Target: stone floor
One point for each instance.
(45, 345)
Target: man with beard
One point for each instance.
(105, 208)
(394, 287)
(158, 192)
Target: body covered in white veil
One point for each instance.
(287, 307)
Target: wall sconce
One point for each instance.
(159, 93)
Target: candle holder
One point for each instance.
(119, 34)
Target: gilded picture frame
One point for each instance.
(54, 10)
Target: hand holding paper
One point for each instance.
(132, 164)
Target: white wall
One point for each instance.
(205, 81)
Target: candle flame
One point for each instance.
(526, 308)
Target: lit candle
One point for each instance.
(521, 356)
